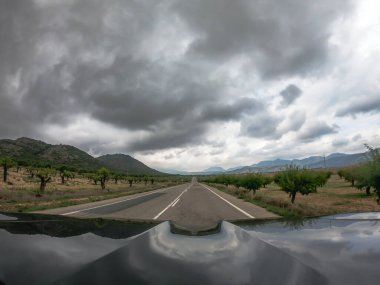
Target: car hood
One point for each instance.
(39, 249)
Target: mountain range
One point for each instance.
(334, 160)
(34, 152)
(30, 151)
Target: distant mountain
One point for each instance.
(342, 160)
(333, 160)
(268, 163)
(32, 151)
(233, 168)
(214, 169)
(125, 163)
(173, 171)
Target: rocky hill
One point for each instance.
(34, 152)
(126, 163)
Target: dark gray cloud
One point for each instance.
(231, 111)
(290, 94)
(357, 137)
(122, 63)
(170, 138)
(296, 121)
(370, 104)
(268, 125)
(189, 129)
(316, 130)
(263, 125)
(340, 142)
(280, 37)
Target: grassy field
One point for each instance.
(20, 194)
(337, 196)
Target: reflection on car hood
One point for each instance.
(326, 250)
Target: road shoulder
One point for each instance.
(255, 211)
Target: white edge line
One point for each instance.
(175, 200)
(236, 207)
(104, 205)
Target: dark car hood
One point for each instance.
(38, 249)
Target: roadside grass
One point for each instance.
(39, 205)
(337, 196)
(22, 194)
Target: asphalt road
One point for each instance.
(192, 206)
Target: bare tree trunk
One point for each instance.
(368, 190)
(293, 195)
(42, 185)
(5, 173)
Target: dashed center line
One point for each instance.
(172, 203)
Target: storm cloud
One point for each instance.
(316, 130)
(360, 105)
(172, 74)
(278, 37)
(290, 94)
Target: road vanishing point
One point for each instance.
(192, 206)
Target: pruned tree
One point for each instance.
(130, 181)
(31, 171)
(65, 173)
(45, 175)
(116, 177)
(103, 174)
(6, 162)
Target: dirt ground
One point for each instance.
(20, 193)
(337, 196)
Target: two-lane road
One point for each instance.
(192, 206)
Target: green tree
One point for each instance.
(252, 182)
(267, 180)
(45, 175)
(117, 176)
(349, 174)
(6, 163)
(130, 181)
(103, 174)
(62, 170)
(295, 180)
(374, 168)
(363, 174)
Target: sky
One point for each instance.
(188, 85)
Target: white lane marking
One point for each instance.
(104, 205)
(236, 207)
(174, 201)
